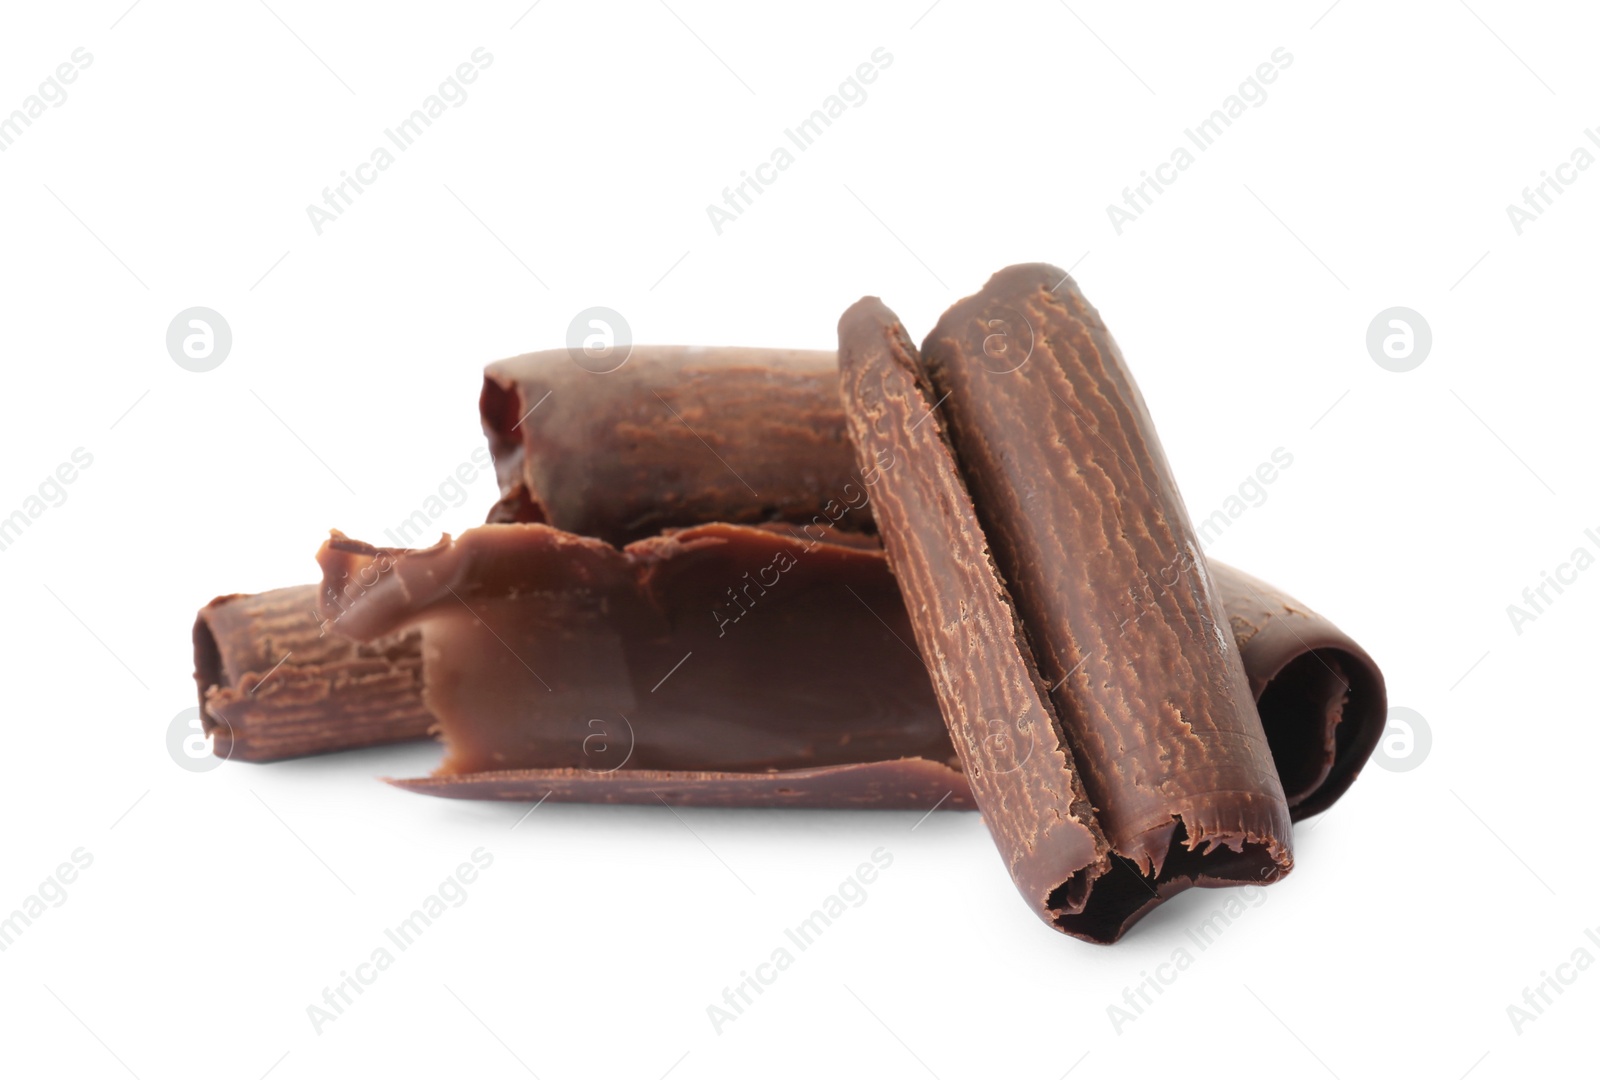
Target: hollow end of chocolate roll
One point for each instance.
(273, 685)
(674, 436)
(1322, 698)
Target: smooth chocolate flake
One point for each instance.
(720, 648)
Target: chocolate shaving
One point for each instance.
(1056, 584)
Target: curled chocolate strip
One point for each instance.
(359, 695)
(676, 436)
(721, 648)
(273, 684)
(1001, 718)
(1321, 697)
(898, 784)
(1057, 587)
(1325, 707)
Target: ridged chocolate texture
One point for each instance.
(675, 436)
(1058, 590)
(273, 684)
(1320, 696)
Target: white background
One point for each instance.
(1419, 505)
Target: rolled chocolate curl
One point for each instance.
(547, 474)
(674, 436)
(1058, 590)
(275, 684)
(1322, 699)
(1311, 719)
(337, 695)
(1001, 719)
(756, 655)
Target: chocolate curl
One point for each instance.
(1313, 721)
(275, 684)
(675, 436)
(1057, 587)
(1323, 713)
(722, 648)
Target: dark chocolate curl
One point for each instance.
(675, 436)
(1035, 526)
(1317, 724)
(274, 684)
(721, 648)
(1323, 713)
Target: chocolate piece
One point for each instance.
(897, 784)
(721, 648)
(1064, 604)
(1289, 655)
(1321, 697)
(544, 464)
(1001, 719)
(274, 685)
(675, 436)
